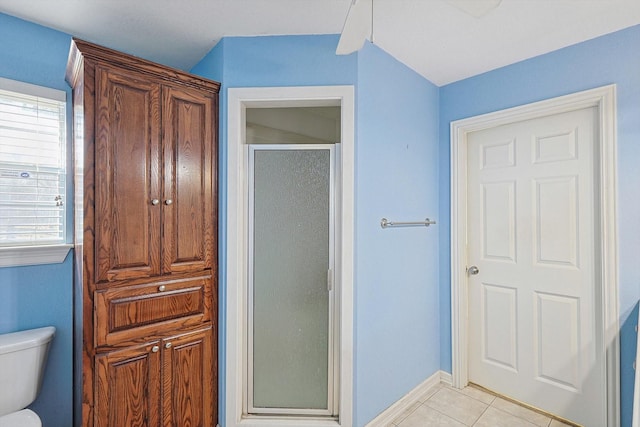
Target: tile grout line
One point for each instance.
(437, 388)
(549, 415)
(491, 405)
(447, 415)
(528, 421)
(463, 394)
(408, 414)
(478, 419)
(477, 398)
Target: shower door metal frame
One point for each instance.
(333, 286)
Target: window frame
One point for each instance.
(47, 252)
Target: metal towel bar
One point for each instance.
(384, 223)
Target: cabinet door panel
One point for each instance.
(128, 388)
(188, 366)
(127, 176)
(188, 221)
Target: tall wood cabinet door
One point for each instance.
(188, 382)
(127, 151)
(188, 223)
(128, 387)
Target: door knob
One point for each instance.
(155, 202)
(473, 270)
(168, 202)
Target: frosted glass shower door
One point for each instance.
(290, 341)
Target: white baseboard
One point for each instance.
(392, 412)
(446, 378)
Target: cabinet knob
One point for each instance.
(167, 345)
(168, 202)
(161, 288)
(155, 202)
(155, 349)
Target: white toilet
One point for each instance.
(23, 356)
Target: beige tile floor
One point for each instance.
(444, 406)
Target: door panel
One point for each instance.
(128, 387)
(499, 325)
(290, 341)
(189, 398)
(187, 203)
(127, 176)
(531, 233)
(551, 340)
(556, 238)
(499, 221)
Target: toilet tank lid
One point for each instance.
(20, 340)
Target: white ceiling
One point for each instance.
(437, 40)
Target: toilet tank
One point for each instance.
(23, 356)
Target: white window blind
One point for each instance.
(32, 165)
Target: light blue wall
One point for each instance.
(32, 297)
(396, 269)
(396, 176)
(41, 295)
(609, 59)
(397, 325)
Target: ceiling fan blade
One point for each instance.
(357, 27)
(475, 8)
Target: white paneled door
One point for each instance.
(532, 200)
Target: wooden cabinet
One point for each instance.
(161, 383)
(154, 177)
(145, 168)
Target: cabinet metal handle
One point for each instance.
(161, 288)
(155, 202)
(167, 345)
(168, 202)
(155, 349)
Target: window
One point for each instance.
(32, 165)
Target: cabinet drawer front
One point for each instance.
(130, 314)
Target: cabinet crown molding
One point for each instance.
(82, 50)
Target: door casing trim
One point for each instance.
(604, 99)
(236, 252)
